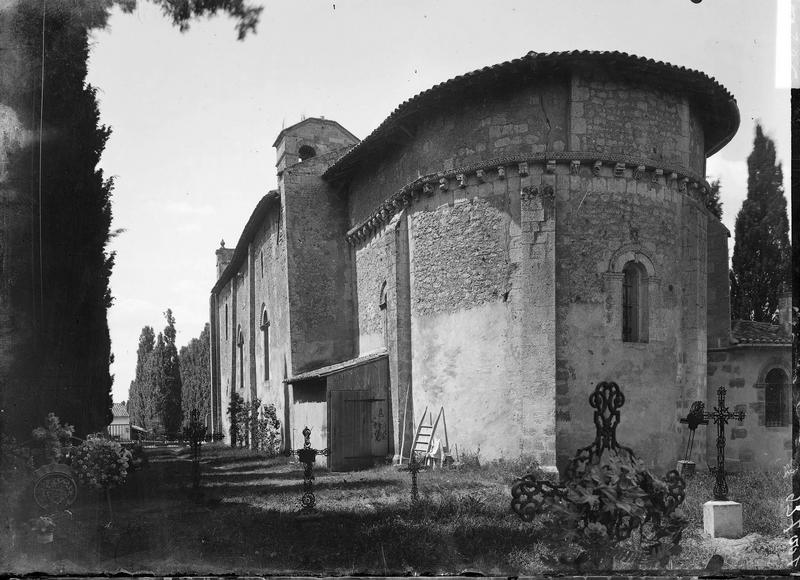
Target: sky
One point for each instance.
(194, 114)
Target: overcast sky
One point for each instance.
(194, 115)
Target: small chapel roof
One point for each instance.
(751, 332)
(719, 110)
(119, 410)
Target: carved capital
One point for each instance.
(480, 175)
(596, 168)
(427, 188)
(683, 183)
(619, 170)
(638, 172)
(551, 166)
(523, 169)
(657, 174)
(462, 180)
(574, 166)
(501, 172)
(443, 184)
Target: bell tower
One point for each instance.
(309, 138)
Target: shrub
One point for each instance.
(235, 408)
(101, 463)
(612, 509)
(54, 437)
(268, 431)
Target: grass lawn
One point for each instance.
(246, 523)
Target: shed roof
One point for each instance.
(720, 113)
(119, 410)
(338, 367)
(751, 332)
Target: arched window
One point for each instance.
(384, 314)
(634, 303)
(240, 354)
(265, 339)
(775, 398)
(306, 152)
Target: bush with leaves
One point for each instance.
(235, 408)
(613, 510)
(101, 463)
(54, 437)
(268, 431)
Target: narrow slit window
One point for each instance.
(240, 353)
(634, 303)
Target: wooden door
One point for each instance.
(351, 434)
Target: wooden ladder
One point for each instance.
(423, 439)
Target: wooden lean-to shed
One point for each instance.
(346, 405)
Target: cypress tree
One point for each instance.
(171, 379)
(136, 403)
(761, 254)
(195, 360)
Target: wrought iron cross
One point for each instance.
(720, 415)
(694, 419)
(196, 432)
(414, 467)
(307, 456)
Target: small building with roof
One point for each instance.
(500, 244)
(121, 427)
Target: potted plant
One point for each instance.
(101, 464)
(43, 528)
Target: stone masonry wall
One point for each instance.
(271, 293)
(320, 268)
(719, 303)
(605, 220)
(613, 116)
(742, 370)
(482, 313)
(372, 272)
(531, 120)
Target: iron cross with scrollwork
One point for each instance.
(414, 467)
(720, 415)
(195, 433)
(307, 456)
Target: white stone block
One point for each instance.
(723, 519)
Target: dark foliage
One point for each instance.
(761, 255)
(195, 361)
(139, 397)
(711, 198)
(237, 409)
(60, 267)
(170, 387)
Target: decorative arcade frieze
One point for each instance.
(620, 167)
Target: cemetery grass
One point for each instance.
(245, 522)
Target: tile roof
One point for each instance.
(750, 332)
(119, 410)
(335, 368)
(720, 107)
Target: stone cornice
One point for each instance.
(620, 167)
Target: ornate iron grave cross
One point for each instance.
(414, 467)
(195, 433)
(720, 415)
(307, 456)
(529, 496)
(694, 419)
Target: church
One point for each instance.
(499, 245)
